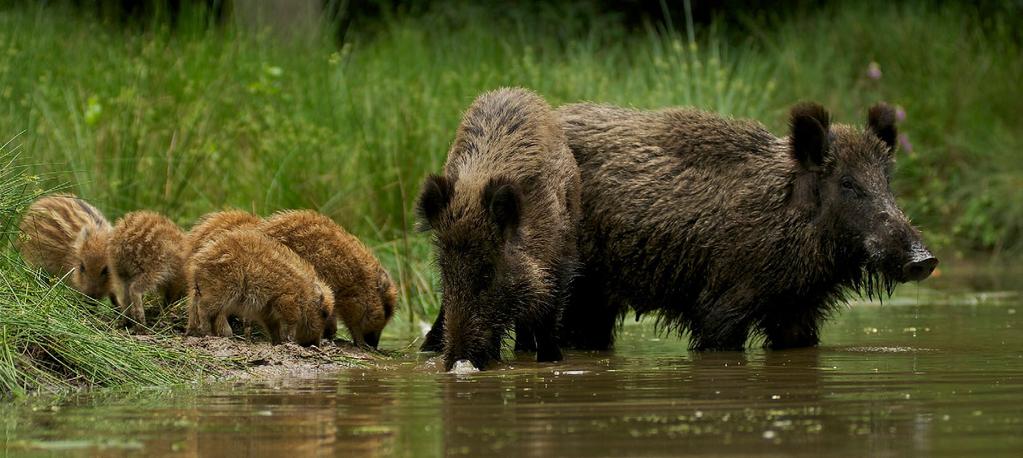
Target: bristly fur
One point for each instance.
(213, 224)
(364, 295)
(147, 252)
(63, 233)
(725, 231)
(503, 216)
(243, 272)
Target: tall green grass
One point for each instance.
(50, 338)
(956, 72)
(189, 122)
(198, 119)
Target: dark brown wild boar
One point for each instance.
(503, 217)
(726, 231)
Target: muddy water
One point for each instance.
(917, 377)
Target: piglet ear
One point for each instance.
(433, 199)
(383, 280)
(881, 121)
(810, 123)
(503, 200)
(83, 236)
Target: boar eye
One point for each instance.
(104, 271)
(81, 267)
(848, 184)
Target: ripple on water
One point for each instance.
(952, 388)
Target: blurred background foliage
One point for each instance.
(186, 107)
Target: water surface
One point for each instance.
(914, 377)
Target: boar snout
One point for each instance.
(479, 348)
(921, 264)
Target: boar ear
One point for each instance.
(810, 123)
(383, 280)
(83, 236)
(434, 198)
(881, 121)
(503, 200)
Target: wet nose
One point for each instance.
(920, 268)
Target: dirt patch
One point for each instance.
(247, 360)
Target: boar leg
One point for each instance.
(590, 315)
(435, 338)
(220, 324)
(545, 332)
(136, 308)
(273, 329)
(204, 319)
(547, 343)
(122, 299)
(542, 335)
(193, 328)
(525, 340)
(792, 330)
(730, 335)
(288, 330)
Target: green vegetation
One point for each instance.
(199, 119)
(51, 339)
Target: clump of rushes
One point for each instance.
(51, 338)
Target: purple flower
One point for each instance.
(874, 71)
(905, 144)
(900, 113)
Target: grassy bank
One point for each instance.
(197, 120)
(51, 340)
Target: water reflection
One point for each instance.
(887, 381)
